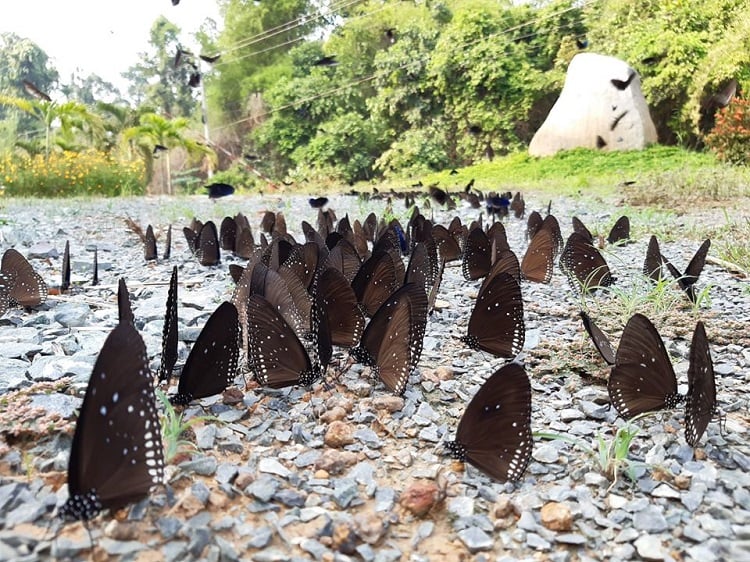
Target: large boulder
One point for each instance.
(601, 106)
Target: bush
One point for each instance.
(730, 137)
(68, 174)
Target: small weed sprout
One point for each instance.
(173, 427)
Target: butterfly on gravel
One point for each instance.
(116, 457)
(584, 265)
(700, 406)
(494, 433)
(688, 279)
(20, 285)
(599, 338)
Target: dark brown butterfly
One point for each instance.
(169, 331)
(584, 265)
(345, 258)
(168, 244)
(212, 363)
(700, 407)
(447, 245)
(392, 342)
(376, 280)
(581, 229)
(494, 433)
(551, 225)
(419, 270)
(95, 267)
(533, 224)
(335, 296)
(505, 262)
(116, 456)
(124, 310)
(228, 234)
(477, 258)
(441, 197)
(688, 279)
(652, 265)
(149, 244)
(538, 261)
(65, 283)
(600, 339)
(496, 322)
(642, 379)
(275, 353)
(208, 245)
(244, 246)
(26, 287)
(518, 205)
(620, 231)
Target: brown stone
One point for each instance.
(243, 480)
(420, 497)
(334, 414)
(557, 516)
(338, 434)
(389, 403)
(682, 482)
(334, 461)
(344, 539)
(369, 527)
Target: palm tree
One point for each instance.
(156, 131)
(71, 117)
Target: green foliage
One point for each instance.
(236, 175)
(730, 137)
(71, 173)
(174, 427)
(417, 151)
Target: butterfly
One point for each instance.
(169, 331)
(124, 310)
(580, 228)
(392, 342)
(518, 205)
(496, 322)
(688, 279)
(216, 190)
(335, 296)
(494, 433)
(376, 279)
(538, 261)
(642, 378)
(584, 266)
(95, 267)
(700, 407)
(448, 245)
(65, 283)
(26, 287)
(116, 456)
(212, 363)
(652, 265)
(276, 354)
(620, 231)
(208, 245)
(149, 244)
(600, 339)
(228, 234)
(533, 224)
(477, 257)
(168, 244)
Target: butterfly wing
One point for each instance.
(701, 397)
(124, 310)
(494, 433)
(620, 231)
(27, 288)
(496, 323)
(208, 245)
(652, 265)
(694, 268)
(581, 229)
(116, 456)
(275, 354)
(375, 281)
(149, 244)
(642, 379)
(446, 243)
(584, 265)
(228, 234)
(600, 339)
(169, 332)
(65, 283)
(477, 255)
(533, 224)
(212, 363)
(538, 261)
(168, 244)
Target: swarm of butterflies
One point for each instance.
(347, 286)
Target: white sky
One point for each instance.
(100, 37)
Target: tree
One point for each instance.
(153, 132)
(90, 90)
(21, 59)
(159, 80)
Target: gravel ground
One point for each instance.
(345, 470)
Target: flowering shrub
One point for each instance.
(64, 174)
(730, 137)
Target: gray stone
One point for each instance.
(72, 315)
(368, 437)
(61, 404)
(461, 506)
(261, 537)
(475, 539)
(226, 473)
(55, 367)
(14, 374)
(290, 498)
(384, 498)
(121, 548)
(536, 542)
(314, 548)
(200, 492)
(272, 466)
(263, 488)
(168, 526)
(43, 250)
(205, 436)
(205, 466)
(650, 519)
(650, 547)
(345, 491)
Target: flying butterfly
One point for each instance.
(642, 378)
(217, 190)
(26, 288)
(212, 363)
(392, 342)
(600, 339)
(494, 433)
(688, 279)
(496, 322)
(584, 266)
(700, 407)
(275, 353)
(169, 331)
(116, 456)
